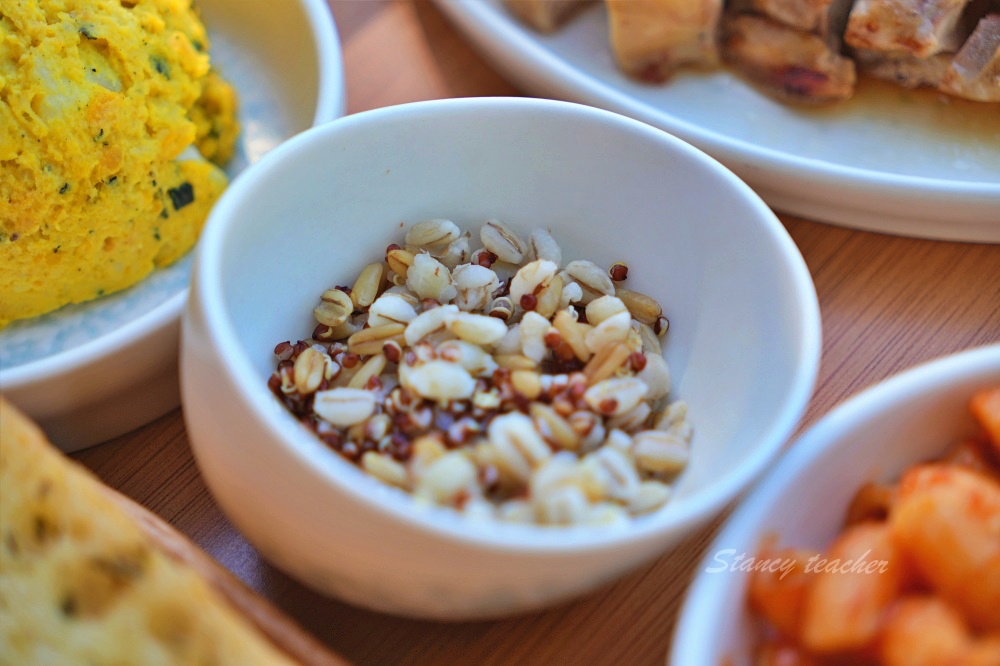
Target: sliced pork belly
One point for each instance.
(651, 39)
(826, 18)
(905, 70)
(790, 64)
(975, 71)
(802, 14)
(544, 15)
(919, 28)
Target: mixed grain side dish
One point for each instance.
(805, 51)
(934, 596)
(503, 382)
(110, 111)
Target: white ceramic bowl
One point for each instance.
(93, 371)
(912, 417)
(743, 343)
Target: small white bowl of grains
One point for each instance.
(465, 358)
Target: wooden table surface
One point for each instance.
(887, 303)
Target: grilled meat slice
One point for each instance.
(905, 70)
(920, 28)
(802, 14)
(975, 71)
(822, 17)
(544, 15)
(789, 64)
(653, 38)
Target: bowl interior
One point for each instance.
(913, 417)
(743, 341)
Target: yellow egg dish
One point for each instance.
(100, 101)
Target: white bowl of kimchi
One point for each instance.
(877, 536)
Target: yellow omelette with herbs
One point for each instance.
(100, 102)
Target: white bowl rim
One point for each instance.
(329, 106)
(706, 595)
(332, 469)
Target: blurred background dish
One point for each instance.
(89, 372)
(890, 160)
(916, 416)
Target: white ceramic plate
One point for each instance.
(889, 160)
(93, 371)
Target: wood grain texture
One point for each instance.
(409, 53)
(887, 304)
